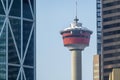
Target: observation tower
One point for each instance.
(76, 38)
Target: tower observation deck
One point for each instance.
(76, 38)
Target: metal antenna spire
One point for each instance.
(76, 8)
(76, 19)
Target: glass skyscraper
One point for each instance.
(97, 57)
(17, 40)
(99, 25)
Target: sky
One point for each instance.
(53, 59)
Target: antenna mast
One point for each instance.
(76, 19)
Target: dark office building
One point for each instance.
(17, 40)
(110, 36)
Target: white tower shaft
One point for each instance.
(76, 60)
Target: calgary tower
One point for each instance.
(76, 38)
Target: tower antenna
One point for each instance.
(76, 19)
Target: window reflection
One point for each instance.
(2, 72)
(13, 72)
(29, 73)
(16, 28)
(16, 8)
(15, 24)
(1, 8)
(12, 53)
(4, 2)
(32, 4)
(2, 51)
(26, 10)
(29, 60)
(27, 26)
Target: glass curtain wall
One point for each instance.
(2, 42)
(17, 40)
(99, 26)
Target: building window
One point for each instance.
(111, 4)
(27, 11)
(111, 11)
(111, 62)
(98, 14)
(111, 26)
(111, 18)
(98, 5)
(111, 47)
(111, 33)
(13, 72)
(16, 8)
(107, 70)
(111, 40)
(99, 23)
(99, 19)
(116, 54)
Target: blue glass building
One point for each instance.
(97, 58)
(17, 40)
(99, 25)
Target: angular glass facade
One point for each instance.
(17, 40)
(2, 48)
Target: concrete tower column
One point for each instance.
(76, 38)
(76, 63)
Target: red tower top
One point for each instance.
(76, 36)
